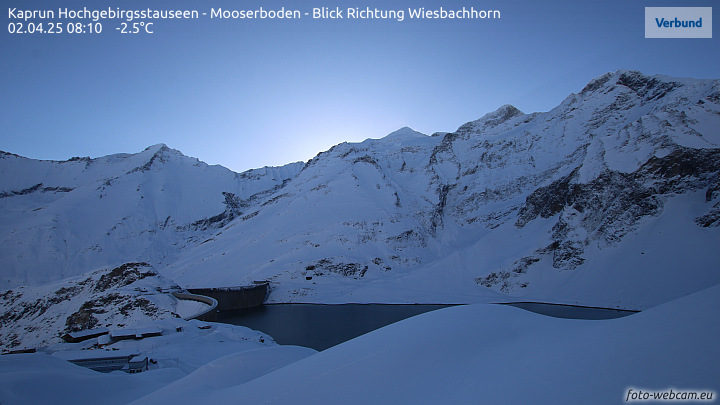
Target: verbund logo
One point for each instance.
(678, 22)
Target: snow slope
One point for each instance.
(495, 354)
(229, 371)
(39, 378)
(43, 379)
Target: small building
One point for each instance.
(105, 361)
(141, 333)
(21, 351)
(137, 364)
(75, 337)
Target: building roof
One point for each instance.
(89, 332)
(138, 332)
(138, 358)
(79, 355)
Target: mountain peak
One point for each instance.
(597, 82)
(499, 116)
(506, 112)
(159, 153)
(493, 119)
(157, 148)
(404, 133)
(400, 135)
(161, 149)
(636, 81)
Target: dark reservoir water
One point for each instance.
(571, 311)
(323, 326)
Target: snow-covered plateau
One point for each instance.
(611, 199)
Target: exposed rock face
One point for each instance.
(113, 297)
(609, 206)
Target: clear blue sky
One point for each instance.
(246, 94)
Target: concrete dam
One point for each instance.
(232, 298)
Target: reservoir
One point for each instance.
(571, 311)
(323, 326)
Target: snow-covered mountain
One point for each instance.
(62, 219)
(611, 198)
(612, 193)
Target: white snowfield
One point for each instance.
(39, 378)
(467, 354)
